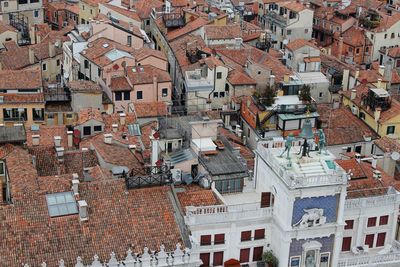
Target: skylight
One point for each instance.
(60, 204)
(116, 54)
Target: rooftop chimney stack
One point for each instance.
(132, 148)
(379, 85)
(108, 138)
(381, 70)
(353, 94)
(57, 141)
(31, 56)
(70, 138)
(122, 118)
(75, 186)
(35, 140)
(52, 49)
(60, 154)
(83, 210)
(377, 114)
(115, 128)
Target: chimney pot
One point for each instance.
(60, 154)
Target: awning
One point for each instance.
(232, 263)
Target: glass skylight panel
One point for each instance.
(60, 204)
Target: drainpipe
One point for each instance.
(215, 78)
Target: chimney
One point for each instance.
(271, 80)
(353, 94)
(374, 161)
(122, 117)
(115, 128)
(70, 138)
(358, 157)
(57, 141)
(377, 114)
(83, 212)
(75, 186)
(379, 84)
(131, 2)
(340, 48)
(357, 74)
(381, 70)
(31, 54)
(86, 175)
(132, 148)
(35, 140)
(52, 50)
(75, 176)
(108, 138)
(60, 154)
(286, 78)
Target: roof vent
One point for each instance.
(86, 175)
(1, 99)
(35, 127)
(115, 127)
(35, 140)
(83, 213)
(105, 45)
(57, 141)
(60, 154)
(75, 186)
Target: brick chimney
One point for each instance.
(60, 154)
(75, 186)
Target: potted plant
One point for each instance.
(270, 259)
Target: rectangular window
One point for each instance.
(44, 67)
(380, 241)
(371, 222)
(245, 236)
(58, 62)
(86, 62)
(244, 255)
(98, 72)
(346, 243)
(357, 51)
(36, 13)
(129, 40)
(259, 234)
(86, 130)
(215, 95)
(383, 220)
(289, 32)
(205, 240)
(2, 168)
(267, 199)
(164, 92)
(5, 4)
(390, 129)
(369, 240)
(257, 253)
(21, 2)
(139, 95)
(118, 96)
(205, 258)
(127, 95)
(97, 128)
(218, 258)
(349, 224)
(219, 75)
(221, 94)
(219, 239)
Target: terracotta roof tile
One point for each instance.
(87, 114)
(22, 79)
(188, 28)
(145, 75)
(214, 32)
(9, 98)
(150, 109)
(47, 134)
(194, 195)
(4, 27)
(388, 145)
(124, 11)
(144, 7)
(237, 77)
(299, 43)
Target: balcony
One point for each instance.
(56, 93)
(196, 82)
(378, 201)
(275, 17)
(316, 172)
(225, 213)
(390, 258)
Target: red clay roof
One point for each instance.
(150, 109)
(194, 195)
(388, 145)
(237, 77)
(216, 32)
(299, 43)
(21, 79)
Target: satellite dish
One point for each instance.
(395, 156)
(285, 42)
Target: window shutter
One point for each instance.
(380, 242)
(219, 239)
(205, 240)
(257, 253)
(244, 255)
(383, 220)
(218, 258)
(265, 199)
(346, 244)
(369, 240)
(246, 236)
(371, 222)
(259, 234)
(349, 224)
(205, 258)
